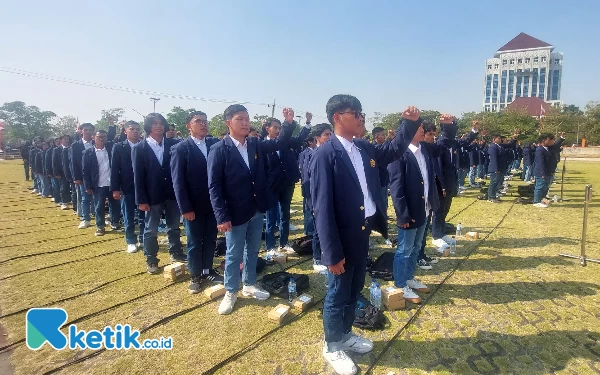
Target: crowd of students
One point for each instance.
(231, 185)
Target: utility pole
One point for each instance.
(273, 108)
(154, 100)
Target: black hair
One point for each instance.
(269, 122)
(428, 126)
(376, 130)
(86, 124)
(232, 110)
(192, 115)
(101, 131)
(65, 136)
(319, 129)
(154, 117)
(341, 103)
(545, 136)
(130, 123)
(172, 126)
(253, 130)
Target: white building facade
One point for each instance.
(524, 67)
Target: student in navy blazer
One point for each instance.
(498, 164)
(122, 185)
(48, 161)
(309, 224)
(190, 181)
(84, 200)
(282, 176)
(544, 166)
(66, 165)
(154, 190)
(239, 195)
(345, 190)
(96, 180)
(40, 161)
(58, 174)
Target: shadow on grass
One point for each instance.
(494, 353)
(502, 293)
(505, 263)
(521, 243)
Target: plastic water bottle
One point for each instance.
(453, 244)
(372, 291)
(292, 294)
(377, 297)
(458, 230)
(269, 256)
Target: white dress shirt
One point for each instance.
(242, 149)
(86, 144)
(158, 149)
(131, 144)
(103, 167)
(359, 168)
(416, 150)
(201, 143)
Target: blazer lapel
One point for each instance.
(195, 150)
(345, 158)
(236, 153)
(253, 157)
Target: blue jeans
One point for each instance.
(309, 223)
(282, 208)
(36, 182)
(152, 221)
(243, 242)
(46, 185)
(405, 259)
(201, 236)
(74, 201)
(65, 190)
(130, 211)
(55, 190)
(86, 201)
(462, 173)
(527, 173)
(384, 196)
(316, 246)
(100, 196)
(472, 173)
(496, 179)
(481, 171)
(541, 188)
(339, 308)
(26, 167)
(427, 225)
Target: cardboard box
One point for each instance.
(302, 302)
(215, 291)
(279, 313)
(393, 298)
(280, 258)
(473, 235)
(175, 272)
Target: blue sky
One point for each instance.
(389, 54)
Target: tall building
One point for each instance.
(524, 67)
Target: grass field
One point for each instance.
(506, 303)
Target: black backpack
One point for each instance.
(383, 267)
(277, 283)
(368, 316)
(449, 228)
(526, 191)
(221, 248)
(303, 245)
(261, 263)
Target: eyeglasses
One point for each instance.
(199, 121)
(357, 114)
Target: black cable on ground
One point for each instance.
(434, 292)
(27, 210)
(47, 240)
(86, 293)
(37, 231)
(160, 322)
(57, 251)
(61, 219)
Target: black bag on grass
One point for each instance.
(526, 191)
(367, 315)
(221, 248)
(449, 228)
(383, 267)
(261, 263)
(277, 283)
(303, 245)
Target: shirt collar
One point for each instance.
(414, 148)
(100, 149)
(154, 142)
(198, 140)
(84, 141)
(131, 144)
(237, 143)
(346, 143)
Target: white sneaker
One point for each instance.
(254, 291)
(34, 191)
(52, 199)
(341, 363)
(319, 268)
(293, 227)
(84, 224)
(288, 249)
(389, 243)
(358, 344)
(40, 194)
(64, 207)
(540, 205)
(440, 243)
(462, 188)
(131, 248)
(227, 303)
(417, 285)
(410, 295)
(449, 240)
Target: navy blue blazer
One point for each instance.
(555, 151)
(90, 169)
(189, 169)
(236, 192)
(543, 162)
(38, 157)
(121, 170)
(527, 160)
(473, 154)
(282, 169)
(76, 155)
(448, 158)
(302, 158)
(153, 183)
(57, 167)
(66, 164)
(48, 162)
(407, 188)
(498, 154)
(384, 177)
(338, 201)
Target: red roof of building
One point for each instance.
(523, 41)
(533, 105)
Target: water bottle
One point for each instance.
(269, 256)
(458, 231)
(377, 297)
(292, 294)
(372, 292)
(453, 244)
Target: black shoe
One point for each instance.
(431, 260)
(115, 227)
(153, 268)
(100, 232)
(214, 277)
(178, 258)
(196, 284)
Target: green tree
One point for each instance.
(256, 123)
(591, 128)
(25, 122)
(217, 126)
(178, 116)
(108, 115)
(431, 116)
(65, 125)
(389, 121)
(572, 109)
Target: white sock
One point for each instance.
(205, 271)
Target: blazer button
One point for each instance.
(165, 179)
(362, 208)
(362, 228)
(421, 182)
(422, 197)
(252, 182)
(255, 195)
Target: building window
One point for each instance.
(520, 61)
(488, 88)
(557, 61)
(511, 83)
(494, 107)
(496, 66)
(489, 67)
(495, 89)
(555, 81)
(503, 87)
(519, 83)
(526, 86)
(512, 61)
(502, 106)
(542, 89)
(543, 58)
(503, 62)
(487, 108)
(536, 59)
(527, 60)
(534, 83)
